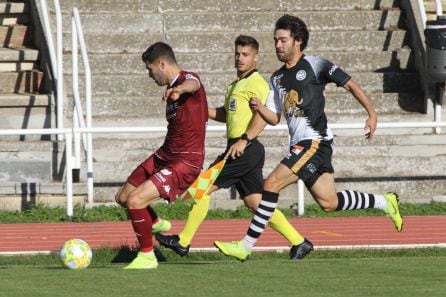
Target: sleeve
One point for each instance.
(273, 101)
(332, 73)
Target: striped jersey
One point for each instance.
(298, 94)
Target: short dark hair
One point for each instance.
(159, 50)
(296, 26)
(245, 40)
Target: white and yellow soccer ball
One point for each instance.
(75, 254)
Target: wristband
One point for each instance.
(245, 137)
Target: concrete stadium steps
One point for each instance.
(347, 149)
(22, 82)
(367, 38)
(352, 61)
(27, 161)
(10, 7)
(26, 158)
(142, 85)
(180, 6)
(222, 42)
(230, 21)
(26, 111)
(16, 36)
(12, 60)
(411, 165)
(151, 107)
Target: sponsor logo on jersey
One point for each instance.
(332, 69)
(291, 104)
(232, 104)
(160, 177)
(301, 75)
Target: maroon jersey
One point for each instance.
(187, 118)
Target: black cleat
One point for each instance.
(299, 251)
(172, 242)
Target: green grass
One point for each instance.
(180, 210)
(355, 273)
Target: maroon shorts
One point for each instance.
(170, 178)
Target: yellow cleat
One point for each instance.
(234, 249)
(392, 210)
(143, 261)
(161, 226)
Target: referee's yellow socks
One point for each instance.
(196, 216)
(279, 223)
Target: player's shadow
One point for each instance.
(126, 254)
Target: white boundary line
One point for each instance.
(280, 249)
(338, 247)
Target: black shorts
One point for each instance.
(309, 159)
(244, 172)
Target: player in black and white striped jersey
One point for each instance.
(297, 93)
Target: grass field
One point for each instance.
(354, 273)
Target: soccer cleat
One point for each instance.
(299, 251)
(234, 249)
(143, 261)
(172, 242)
(392, 210)
(161, 226)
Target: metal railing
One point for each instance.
(78, 117)
(56, 56)
(439, 12)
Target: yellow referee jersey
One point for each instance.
(238, 95)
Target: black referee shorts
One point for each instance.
(244, 172)
(309, 159)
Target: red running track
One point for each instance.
(325, 233)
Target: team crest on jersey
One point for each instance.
(301, 75)
(232, 104)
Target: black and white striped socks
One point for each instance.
(261, 217)
(349, 200)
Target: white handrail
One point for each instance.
(438, 8)
(60, 91)
(78, 115)
(437, 108)
(422, 13)
(77, 30)
(439, 12)
(56, 59)
(48, 36)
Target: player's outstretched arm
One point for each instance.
(188, 86)
(363, 99)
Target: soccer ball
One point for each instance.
(75, 254)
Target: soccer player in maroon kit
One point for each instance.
(176, 164)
